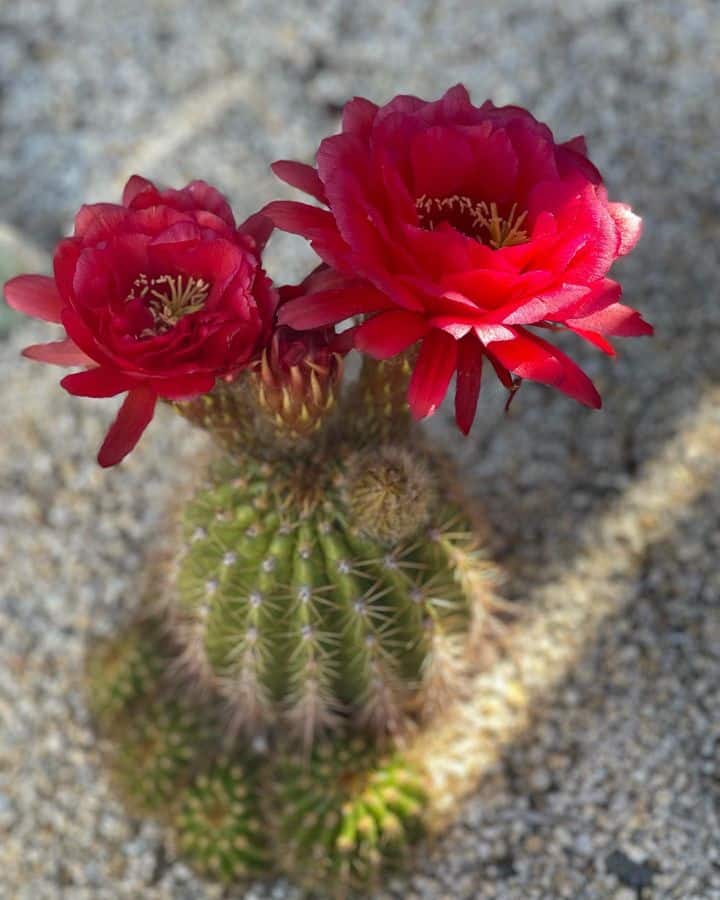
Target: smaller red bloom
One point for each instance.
(159, 296)
(463, 228)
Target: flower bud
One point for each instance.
(297, 380)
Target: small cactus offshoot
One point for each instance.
(346, 812)
(120, 669)
(219, 823)
(156, 752)
(341, 813)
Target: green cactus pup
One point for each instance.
(346, 813)
(219, 825)
(123, 668)
(156, 753)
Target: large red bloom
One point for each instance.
(159, 297)
(462, 227)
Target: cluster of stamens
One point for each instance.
(477, 219)
(169, 298)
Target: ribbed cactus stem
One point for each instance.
(345, 813)
(377, 403)
(229, 414)
(219, 823)
(307, 601)
(155, 757)
(336, 813)
(267, 413)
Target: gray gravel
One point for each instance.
(607, 524)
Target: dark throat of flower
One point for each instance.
(168, 299)
(477, 219)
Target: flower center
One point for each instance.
(169, 298)
(479, 220)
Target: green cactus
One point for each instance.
(326, 592)
(123, 668)
(219, 823)
(313, 596)
(346, 813)
(157, 752)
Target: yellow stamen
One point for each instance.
(169, 298)
(480, 220)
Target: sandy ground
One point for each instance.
(607, 523)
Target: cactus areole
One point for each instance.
(325, 594)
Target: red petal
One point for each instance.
(152, 220)
(469, 376)
(432, 373)
(259, 227)
(59, 353)
(451, 325)
(183, 232)
(629, 225)
(301, 176)
(81, 335)
(528, 356)
(495, 164)
(389, 333)
(503, 375)
(328, 307)
(442, 162)
(67, 254)
(97, 382)
(587, 215)
(578, 144)
(136, 185)
(95, 221)
(218, 261)
(299, 218)
(603, 293)
(547, 305)
(616, 319)
(455, 100)
(134, 416)
(317, 225)
(489, 333)
(205, 196)
(489, 288)
(34, 295)
(596, 339)
(184, 386)
(358, 116)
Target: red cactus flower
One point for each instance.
(158, 296)
(469, 227)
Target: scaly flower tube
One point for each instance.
(468, 229)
